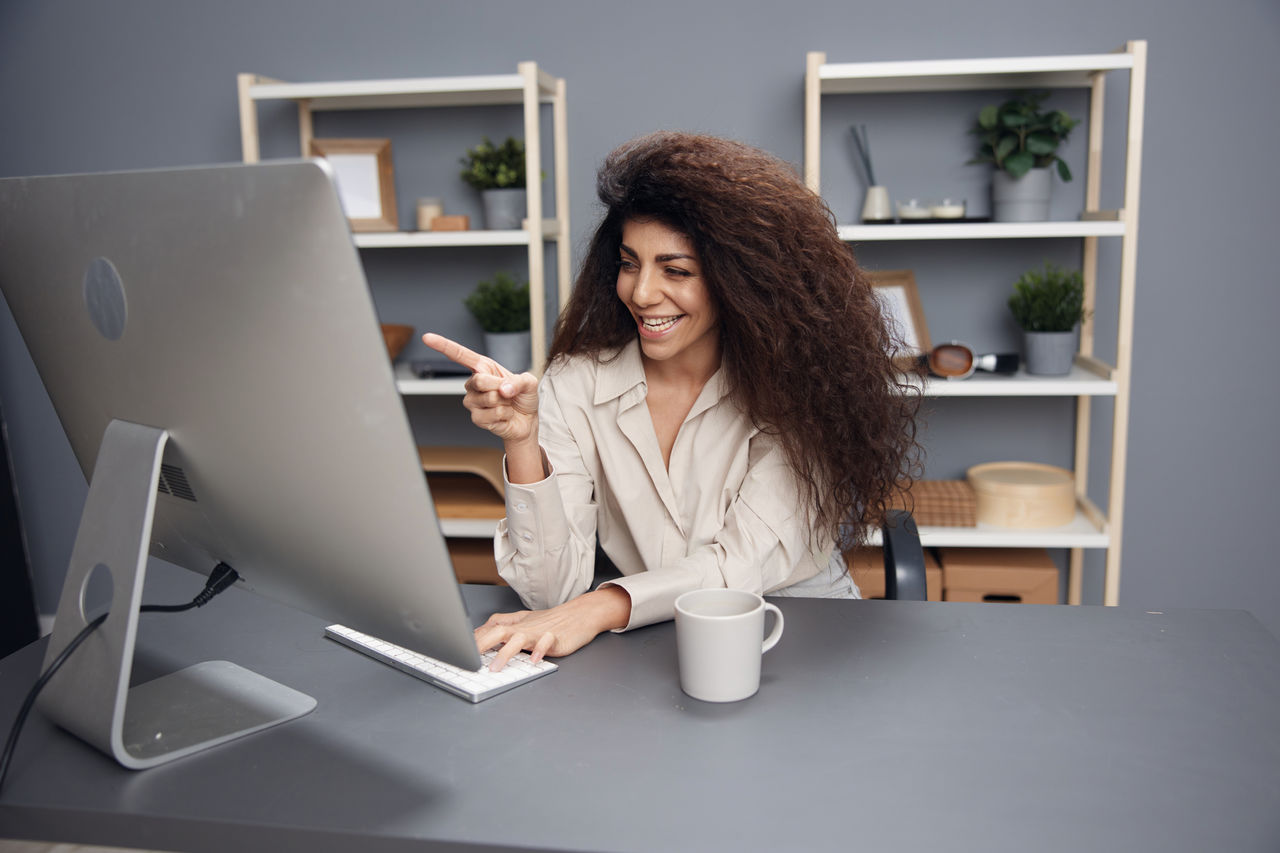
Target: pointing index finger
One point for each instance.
(456, 352)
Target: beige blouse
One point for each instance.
(726, 512)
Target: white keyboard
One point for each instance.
(474, 686)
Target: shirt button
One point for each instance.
(527, 536)
(522, 507)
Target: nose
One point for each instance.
(647, 291)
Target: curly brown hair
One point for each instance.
(805, 350)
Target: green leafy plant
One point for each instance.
(490, 167)
(501, 305)
(1017, 136)
(1050, 299)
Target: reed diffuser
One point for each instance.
(875, 207)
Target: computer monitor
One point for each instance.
(208, 340)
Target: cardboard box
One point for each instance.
(1018, 575)
(473, 561)
(866, 566)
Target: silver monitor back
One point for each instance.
(225, 307)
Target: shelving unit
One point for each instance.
(1090, 378)
(529, 88)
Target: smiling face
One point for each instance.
(660, 281)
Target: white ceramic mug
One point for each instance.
(718, 639)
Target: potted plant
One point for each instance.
(501, 307)
(1048, 304)
(1021, 140)
(498, 171)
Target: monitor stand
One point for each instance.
(174, 715)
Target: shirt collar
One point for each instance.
(625, 372)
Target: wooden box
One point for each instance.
(1017, 575)
(866, 567)
(1023, 494)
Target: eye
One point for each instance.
(626, 265)
(678, 272)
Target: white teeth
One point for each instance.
(658, 324)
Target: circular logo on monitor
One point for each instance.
(104, 297)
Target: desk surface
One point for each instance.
(879, 725)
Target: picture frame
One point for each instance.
(900, 301)
(365, 179)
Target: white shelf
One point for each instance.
(982, 230)
(469, 528)
(1079, 533)
(408, 383)
(402, 93)
(438, 239)
(935, 75)
(1080, 382)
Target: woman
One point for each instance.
(720, 408)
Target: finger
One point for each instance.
(456, 352)
(521, 388)
(509, 650)
(543, 647)
(484, 382)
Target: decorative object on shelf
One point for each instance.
(1021, 140)
(875, 207)
(451, 222)
(903, 313)
(499, 173)
(941, 503)
(429, 209)
(365, 178)
(1048, 305)
(1023, 494)
(913, 210)
(954, 360)
(501, 307)
(396, 336)
(948, 208)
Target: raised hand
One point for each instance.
(504, 403)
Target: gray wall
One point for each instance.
(88, 86)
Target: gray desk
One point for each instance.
(879, 726)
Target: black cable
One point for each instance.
(220, 578)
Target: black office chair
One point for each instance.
(904, 576)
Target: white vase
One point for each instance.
(1024, 199)
(504, 209)
(513, 350)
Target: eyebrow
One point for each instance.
(662, 259)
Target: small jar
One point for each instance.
(948, 208)
(428, 209)
(911, 209)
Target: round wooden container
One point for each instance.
(1023, 494)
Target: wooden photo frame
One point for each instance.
(900, 302)
(366, 181)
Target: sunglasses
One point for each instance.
(954, 360)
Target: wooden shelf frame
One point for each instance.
(1090, 378)
(530, 88)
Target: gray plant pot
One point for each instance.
(513, 350)
(504, 209)
(1050, 353)
(1024, 199)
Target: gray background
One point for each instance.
(88, 86)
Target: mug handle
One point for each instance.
(776, 634)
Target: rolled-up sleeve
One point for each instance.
(545, 547)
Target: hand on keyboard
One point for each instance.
(475, 686)
(557, 631)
